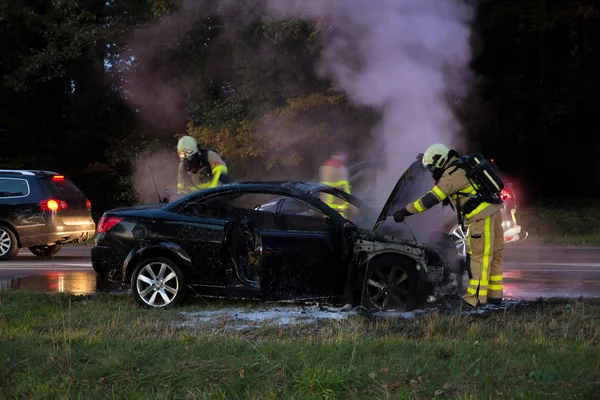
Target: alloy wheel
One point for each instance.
(5, 242)
(157, 284)
(460, 239)
(388, 287)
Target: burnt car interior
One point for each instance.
(254, 215)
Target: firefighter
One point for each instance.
(334, 173)
(486, 238)
(199, 168)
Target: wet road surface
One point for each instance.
(529, 272)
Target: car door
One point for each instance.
(19, 207)
(302, 258)
(200, 228)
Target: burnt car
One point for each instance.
(273, 241)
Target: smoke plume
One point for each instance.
(405, 58)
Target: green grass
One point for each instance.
(61, 346)
(565, 223)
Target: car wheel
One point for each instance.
(392, 283)
(158, 283)
(45, 251)
(9, 247)
(460, 239)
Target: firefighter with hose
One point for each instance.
(473, 185)
(199, 168)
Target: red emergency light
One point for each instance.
(58, 178)
(504, 195)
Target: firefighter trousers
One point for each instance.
(486, 243)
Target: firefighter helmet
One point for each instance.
(435, 156)
(187, 147)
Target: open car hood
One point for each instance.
(415, 182)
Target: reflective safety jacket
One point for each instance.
(454, 184)
(211, 173)
(335, 174)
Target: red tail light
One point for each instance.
(88, 204)
(53, 205)
(106, 223)
(58, 178)
(504, 195)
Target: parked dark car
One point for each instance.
(41, 210)
(271, 241)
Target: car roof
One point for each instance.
(27, 172)
(307, 187)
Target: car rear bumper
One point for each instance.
(58, 236)
(108, 262)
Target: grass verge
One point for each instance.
(573, 223)
(61, 346)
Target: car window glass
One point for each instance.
(296, 215)
(256, 201)
(215, 207)
(13, 187)
(291, 206)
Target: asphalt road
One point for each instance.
(529, 272)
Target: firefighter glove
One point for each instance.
(400, 215)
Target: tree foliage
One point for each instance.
(86, 86)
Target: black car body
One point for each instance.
(41, 210)
(271, 241)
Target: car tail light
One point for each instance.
(106, 223)
(58, 178)
(88, 204)
(504, 195)
(53, 205)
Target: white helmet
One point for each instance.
(435, 156)
(187, 147)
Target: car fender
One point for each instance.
(419, 261)
(13, 229)
(156, 247)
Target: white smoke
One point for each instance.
(405, 58)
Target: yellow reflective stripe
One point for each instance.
(180, 186)
(418, 207)
(336, 184)
(495, 287)
(487, 248)
(438, 192)
(482, 292)
(496, 278)
(479, 209)
(343, 185)
(473, 282)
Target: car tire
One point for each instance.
(392, 283)
(9, 246)
(158, 282)
(45, 251)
